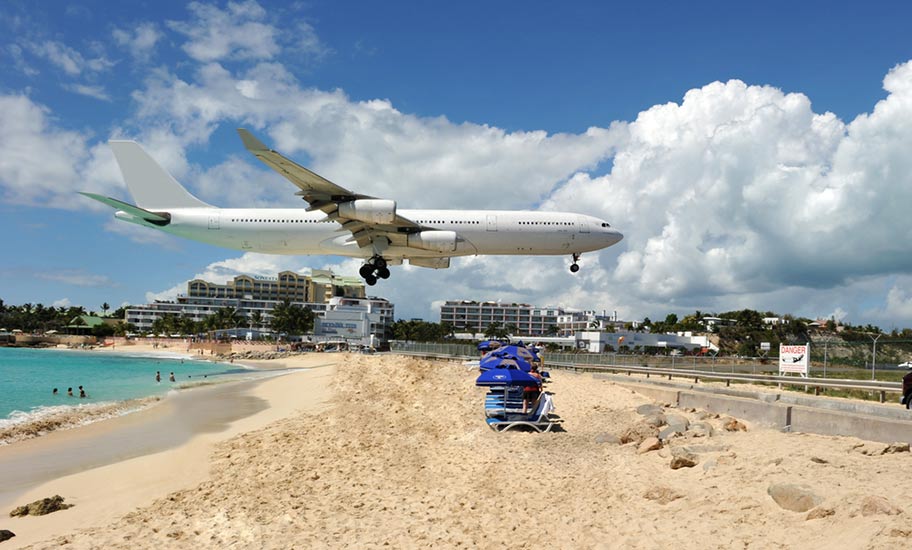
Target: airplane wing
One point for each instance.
(338, 203)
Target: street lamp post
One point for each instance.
(874, 356)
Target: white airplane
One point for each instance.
(340, 222)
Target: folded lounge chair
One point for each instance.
(540, 420)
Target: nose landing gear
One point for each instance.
(374, 269)
(574, 267)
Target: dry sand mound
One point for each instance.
(403, 459)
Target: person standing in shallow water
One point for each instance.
(171, 378)
(158, 376)
(82, 392)
(54, 392)
(70, 392)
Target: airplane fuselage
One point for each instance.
(296, 231)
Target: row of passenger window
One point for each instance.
(238, 220)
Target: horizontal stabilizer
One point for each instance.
(158, 218)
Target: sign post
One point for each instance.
(794, 359)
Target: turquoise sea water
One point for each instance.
(28, 376)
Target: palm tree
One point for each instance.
(104, 308)
(256, 319)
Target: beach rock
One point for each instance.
(681, 458)
(41, 507)
(668, 432)
(896, 448)
(657, 420)
(870, 449)
(734, 425)
(6, 535)
(607, 438)
(819, 513)
(649, 444)
(790, 496)
(700, 429)
(638, 432)
(696, 449)
(662, 495)
(678, 422)
(819, 460)
(710, 464)
(648, 410)
(706, 415)
(878, 506)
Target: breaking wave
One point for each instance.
(21, 425)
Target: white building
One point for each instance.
(469, 316)
(257, 295)
(354, 320)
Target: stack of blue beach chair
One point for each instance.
(504, 371)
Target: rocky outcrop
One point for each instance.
(734, 425)
(649, 444)
(790, 496)
(682, 458)
(878, 506)
(41, 507)
(6, 535)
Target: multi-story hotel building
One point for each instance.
(472, 316)
(261, 294)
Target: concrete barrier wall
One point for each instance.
(771, 415)
(821, 415)
(829, 422)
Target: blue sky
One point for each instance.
(753, 157)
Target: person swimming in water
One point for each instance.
(82, 392)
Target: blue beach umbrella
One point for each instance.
(506, 377)
(520, 351)
(488, 345)
(498, 359)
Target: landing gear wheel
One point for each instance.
(366, 271)
(370, 280)
(379, 262)
(383, 272)
(574, 267)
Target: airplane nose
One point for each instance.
(613, 236)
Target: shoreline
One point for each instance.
(109, 467)
(45, 420)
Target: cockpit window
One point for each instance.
(606, 224)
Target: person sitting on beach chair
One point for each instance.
(532, 393)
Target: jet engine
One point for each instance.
(369, 210)
(439, 241)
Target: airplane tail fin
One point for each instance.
(152, 187)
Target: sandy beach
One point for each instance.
(388, 451)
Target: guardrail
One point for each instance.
(879, 387)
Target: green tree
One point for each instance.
(256, 319)
(496, 331)
(104, 308)
(291, 318)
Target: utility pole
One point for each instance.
(825, 343)
(874, 356)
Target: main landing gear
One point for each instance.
(574, 267)
(374, 269)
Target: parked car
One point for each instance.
(906, 365)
